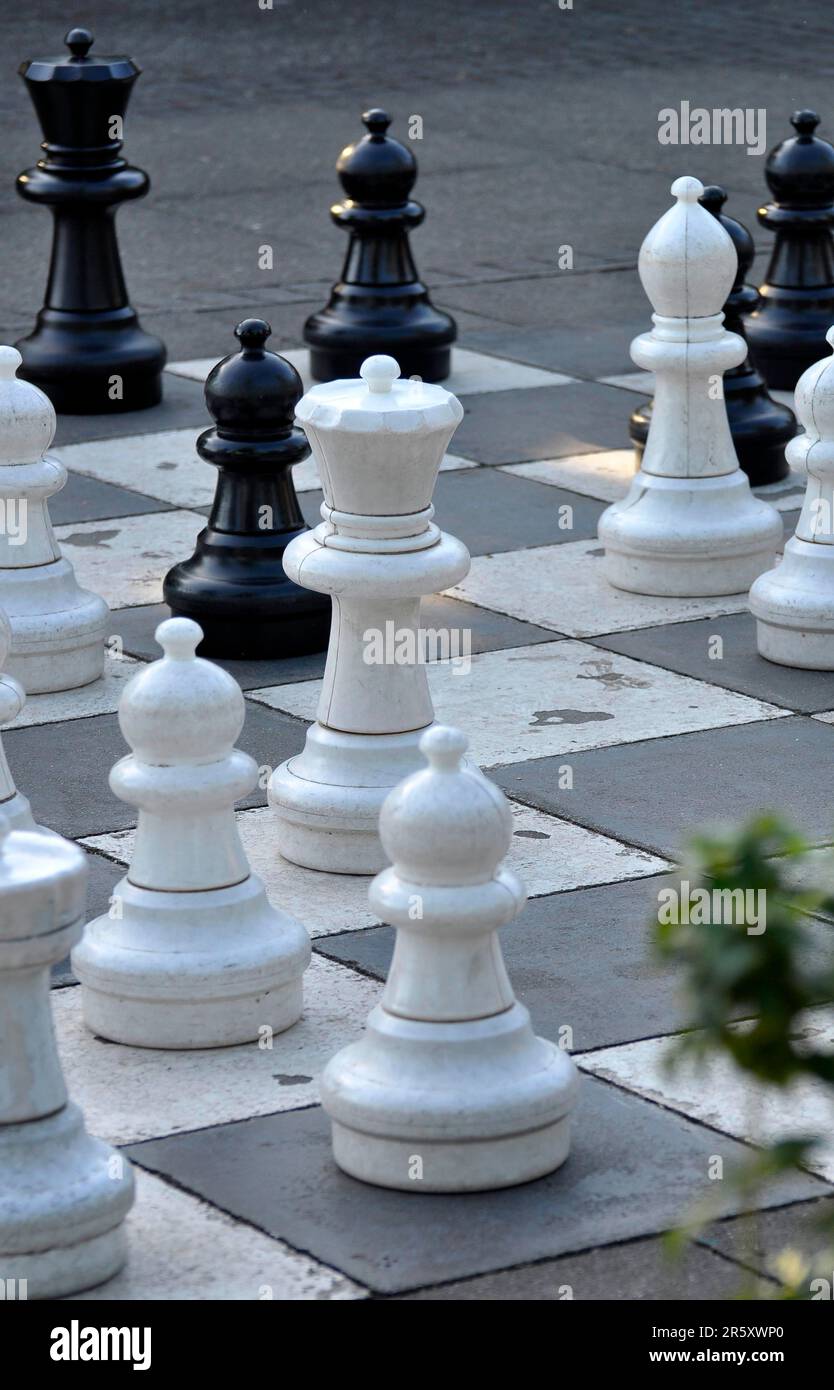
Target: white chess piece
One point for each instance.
(63, 1195)
(15, 810)
(689, 524)
(793, 604)
(58, 628)
(449, 1090)
(378, 443)
(191, 953)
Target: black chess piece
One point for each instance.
(379, 305)
(787, 329)
(87, 351)
(760, 426)
(234, 584)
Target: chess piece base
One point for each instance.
(17, 814)
(450, 1107)
(58, 629)
(74, 356)
(191, 969)
(61, 1206)
(249, 621)
(329, 797)
(688, 537)
(356, 325)
(760, 427)
(793, 608)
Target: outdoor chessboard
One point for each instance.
(238, 1195)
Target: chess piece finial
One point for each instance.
(793, 604)
(64, 1195)
(449, 1067)
(697, 529)
(196, 957)
(378, 441)
(87, 351)
(379, 305)
(58, 628)
(234, 584)
(786, 329)
(760, 427)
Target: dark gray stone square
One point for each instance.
(182, 405)
(64, 767)
(103, 877)
(543, 422)
(587, 350)
(89, 499)
(582, 960)
(634, 1170)
(658, 792)
(758, 1238)
(685, 648)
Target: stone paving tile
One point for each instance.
(657, 793)
(471, 371)
(492, 511)
(88, 499)
(99, 697)
(549, 854)
(633, 1170)
(584, 350)
(722, 1096)
(181, 1248)
(640, 1271)
(759, 1239)
(723, 651)
(126, 559)
(506, 427)
(136, 1093)
(64, 767)
(581, 961)
(595, 701)
(563, 586)
(182, 404)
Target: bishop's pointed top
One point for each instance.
(800, 170)
(377, 171)
(687, 262)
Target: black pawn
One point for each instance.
(234, 585)
(87, 352)
(787, 330)
(760, 426)
(379, 305)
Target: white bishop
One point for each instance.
(689, 524)
(449, 1090)
(191, 953)
(794, 604)
(58, 628)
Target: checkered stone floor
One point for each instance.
(237, 1191)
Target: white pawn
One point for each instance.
(793, 604)
(191, 953)
(378, 442)
(63, 1195)
(58, 628)
(449, 1090)
(689, 525)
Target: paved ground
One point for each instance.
(540, 130)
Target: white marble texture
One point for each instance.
(165, 465)
(593, 699)
(126, 559)
(134, 1093)
(100, 697)
(550, 854)
(718, 1094)
(184, 1248)
(471, 371)
(562, 587)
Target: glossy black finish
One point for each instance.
(87, 333)
(760, 426)
(379, 305)
(234, 584)
(787, 329)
